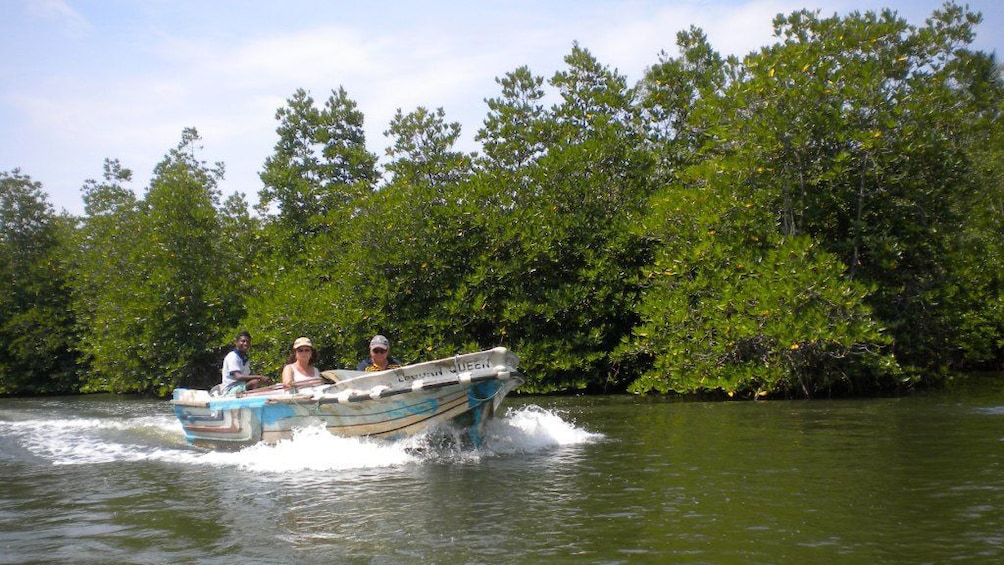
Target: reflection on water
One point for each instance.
(559, 480)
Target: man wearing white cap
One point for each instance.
(379, 359)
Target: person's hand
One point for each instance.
(258, 381)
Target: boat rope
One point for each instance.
(383, 391)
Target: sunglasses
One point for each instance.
(304, 350)
(379, 350)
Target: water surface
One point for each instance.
(102, 479)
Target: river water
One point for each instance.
(920, 479)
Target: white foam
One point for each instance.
(531, 429)
(314, 449)
(76, 441)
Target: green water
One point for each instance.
(903, 480)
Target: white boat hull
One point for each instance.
(466, 389)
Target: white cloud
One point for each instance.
(60, 12)
(125, 87)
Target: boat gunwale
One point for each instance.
(276, 394)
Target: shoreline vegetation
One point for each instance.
(822, 217)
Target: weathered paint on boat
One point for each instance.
(466, 389)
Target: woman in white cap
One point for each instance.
(379, 359)
(300, 369)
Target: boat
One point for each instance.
(464, 390)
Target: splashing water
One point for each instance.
(76, 441)
(314, 449)
(531, 429)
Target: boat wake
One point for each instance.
(529, 429)
(77, 441)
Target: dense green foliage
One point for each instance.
(36, 350)
(822, 216)
(155, 279)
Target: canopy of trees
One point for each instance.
(822, 216)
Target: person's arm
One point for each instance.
(287, 377)
(247, 378)
(251, 380)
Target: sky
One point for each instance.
(89, 80)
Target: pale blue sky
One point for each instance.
(89, 80)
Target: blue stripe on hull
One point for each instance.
(390, 404)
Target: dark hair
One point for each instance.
(314, 356)
(243, 333)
